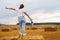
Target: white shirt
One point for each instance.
(20, 12)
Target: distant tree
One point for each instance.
(26, 24)
(0, 24)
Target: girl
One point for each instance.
(21, 17)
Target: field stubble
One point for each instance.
(34, 33)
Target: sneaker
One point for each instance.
(23, 34)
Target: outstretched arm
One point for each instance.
(28, 16)
(10, 8)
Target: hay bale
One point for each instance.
(38, 37)
(9, 31)
(10, 38)
(50, 29)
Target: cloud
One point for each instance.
(47, 5)
(39, 10)
(40, 17)
(10, 20)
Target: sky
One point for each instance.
(41, 11)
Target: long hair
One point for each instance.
(21, 6)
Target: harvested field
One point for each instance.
(37, 32)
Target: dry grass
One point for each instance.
(34, 33)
